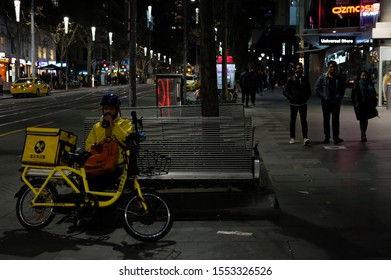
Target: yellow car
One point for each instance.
(29, 86)
(192, 82)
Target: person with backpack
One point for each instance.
(245, 83)
(297, 90)
(110, 128)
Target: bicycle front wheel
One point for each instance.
(35, 218)
(150, 225)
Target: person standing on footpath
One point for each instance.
(297, 90)
(330, 87)
(245, 85)
(364, 100)
(1, 85)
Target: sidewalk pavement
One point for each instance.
(335, 195)
(5, 95)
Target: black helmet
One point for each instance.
(110, 99)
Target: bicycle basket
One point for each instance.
(151, 163)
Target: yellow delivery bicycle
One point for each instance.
(51, 187)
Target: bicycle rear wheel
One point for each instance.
(151, 225)
(35, 218)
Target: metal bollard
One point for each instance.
(388, 95)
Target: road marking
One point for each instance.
(19, 130)
(334, 147)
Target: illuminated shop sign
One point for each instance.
(366, 10)
(337, 40)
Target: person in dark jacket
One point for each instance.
(245, 86)
(248, 86)
(364, 100)
(297, 90)
(330, 87)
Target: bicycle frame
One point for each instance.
(63, 173)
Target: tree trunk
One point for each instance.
(224, 86)
(209, 94)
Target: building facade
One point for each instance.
(15, 43)
(341, 30)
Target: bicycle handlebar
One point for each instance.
(136, 137)
(135, 121)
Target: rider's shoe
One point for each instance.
(73, 229)
(81, 225)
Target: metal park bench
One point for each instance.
(216, 149)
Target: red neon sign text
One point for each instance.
(356, 9)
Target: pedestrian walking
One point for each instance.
(364, 100)
(297, 90)
(1, 85)
(330, 87)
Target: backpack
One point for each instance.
(103, 158)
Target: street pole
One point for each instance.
(224, 87)
(33, 68)
(184, 46)
(150, 27)
(93, 30)
(197, 11)
(110, 57)
(17, 60)
(132, 15)
(66, 21)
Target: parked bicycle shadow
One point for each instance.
(23, 244)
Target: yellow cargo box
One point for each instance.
(47, 146)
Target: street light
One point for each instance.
(110, 50)
(110, 38)
(17, 10)
(197, 13)
(149, 24)
(93, 30)
(150, 28)
(17, 60)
